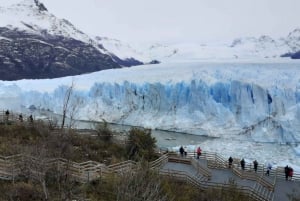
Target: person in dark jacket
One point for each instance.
(255, 165)
(7, 115)
(243, 164)
(181, 151)
(31, 119)
(286, 172)
(230, 160)
(20, 117)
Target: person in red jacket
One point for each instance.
(291, 171)
(199, 151)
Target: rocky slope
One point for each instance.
(29, 56)
(36, 44)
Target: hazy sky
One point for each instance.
(179, 20)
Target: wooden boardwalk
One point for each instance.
(202, 173)
(210, 171)
(256, 184)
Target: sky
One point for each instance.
(178, 20)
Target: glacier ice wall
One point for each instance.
(230, 109)
(257, 102)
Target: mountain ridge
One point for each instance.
(30, 23)
(63, 49)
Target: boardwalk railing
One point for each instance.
(89, 170)
(248, 191)
(14, 118)
(159, 162)
(10, 166)
(214, 160)
(201, 169)
(254, 177)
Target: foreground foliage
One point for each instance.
(57, 184)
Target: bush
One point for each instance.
(26, 192)
(103, 132)
(141, 144)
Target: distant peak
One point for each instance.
(31, 3)
(265, 38)
(40, 5)
(295, 33)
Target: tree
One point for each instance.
(141, 144)
(71, 105)
(103, 131)
(34, 165)
(66, 103)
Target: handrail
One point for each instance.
(254, 177)
(204, 171)
(88, 170)
(159, 162)
(87, 165)
(214, 160)
(251, 192)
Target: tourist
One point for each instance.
(7, 115)
(181, 151)
(243, 164)
(286, 172)
(20, 117)
(255, 164)
(199, 150)
(30, 119)
(230, 160)
(269, 167)
(291, 172)
(185, 151)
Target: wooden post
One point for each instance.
(88, 176)
(13, 175)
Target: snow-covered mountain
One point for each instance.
(293, 40)
(267, 47)
(240, 48)
(36, 44)
(33, 17)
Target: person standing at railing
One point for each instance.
(269, 168)
(230, 160)
(255, 165)
(7, 115)
(243, 164)
(20, 117)
(30, 118)
(286, 172)
(291, 172)
(199, 151)
(181, 151)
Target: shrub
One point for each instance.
(141, 144)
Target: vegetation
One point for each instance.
(41, 143)
(141, 145)
(178, 191)
(15, 139)
(37, 181)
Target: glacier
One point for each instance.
(251, 102)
